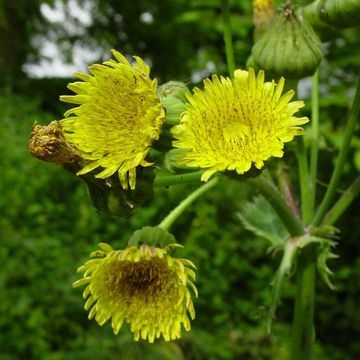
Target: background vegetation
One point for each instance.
(48, 226)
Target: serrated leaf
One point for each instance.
(325, 255)
(259, 217)
(287, 263)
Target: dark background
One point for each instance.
(48, 226)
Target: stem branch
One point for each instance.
(304, 184)
(314, 145)
(348, 133)
(276, 200)
(228, 37)
(343, 203)
(175, 213)
(168, 180)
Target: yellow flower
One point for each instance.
(233, 124)
(141, 285)
(118, 119)
(263, 12)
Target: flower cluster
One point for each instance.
(230, 125)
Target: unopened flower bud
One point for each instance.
(340, 13)
(289, 47)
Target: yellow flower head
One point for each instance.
(263, 12)
(118, 118)
(141, 285)
(233, 124)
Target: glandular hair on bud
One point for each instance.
(289, 47)
(49, 144)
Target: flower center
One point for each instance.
(145, 278)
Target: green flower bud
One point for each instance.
(151, 236)
(171, 161)
(340, 13)
(289, 47)
(173, 98)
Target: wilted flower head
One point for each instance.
(118, 118)
(141, 285)
(233, 124)
(49, 144)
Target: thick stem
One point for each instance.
(164, 181)
(175, 213)
(348, 133)
(303, 329)
(303, 332)
(277, 201)
(228, 37)
(343, 203)
(314, 146)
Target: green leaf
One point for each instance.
(259, 217)
(324, 249)
(325, 254)
(287, 263)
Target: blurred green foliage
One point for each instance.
(48, 227)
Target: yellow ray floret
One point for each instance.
(233, 124)
(118, 118)
(142, 286)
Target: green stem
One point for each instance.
(164, 181)
(343, 203)
(175, 213)
(228, 37)
(314, 146)
(287, 189)
(348, 133)
(303, 328)
(302, 336)
(304, 184)
(277, 201)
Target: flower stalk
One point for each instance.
(228, 37)
(343, 203)
(175, 213)
(314, 147)
(185, 178)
